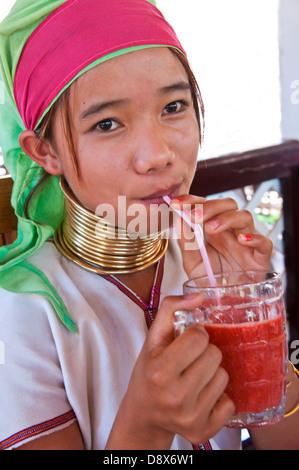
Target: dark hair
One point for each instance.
(44, 131)
(196, 93)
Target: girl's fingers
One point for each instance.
(238, 221)
(221, 412)
(262, 246)
(161, 332)
(186, 350)
(215, 207)
(217, 215)
(200, 373)
(213, 408)
(213, 390)
(212, 207)
(187, 200)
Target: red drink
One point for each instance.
(245, 318)
(254, 352)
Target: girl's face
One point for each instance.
(135, 131)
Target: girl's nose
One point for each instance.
(153, 150)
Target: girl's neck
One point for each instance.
(97, 246)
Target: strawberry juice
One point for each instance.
(254, 355)
(243, 313)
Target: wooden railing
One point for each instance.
(252, 168)
(8, 220)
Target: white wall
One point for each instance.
(289, 67)
(5, 6)
(233, 49)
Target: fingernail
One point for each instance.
(245, 238)
(214, 224)
(179, 199)
(196, 216)
(175, 206)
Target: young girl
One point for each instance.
(103, 108)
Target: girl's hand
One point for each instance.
(177, 387)
(230, 237)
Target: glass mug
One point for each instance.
(245, 318)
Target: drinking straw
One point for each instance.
(200, 241)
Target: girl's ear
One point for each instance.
(41, 152)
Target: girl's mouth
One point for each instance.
(157, 196)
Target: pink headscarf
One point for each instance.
(78, 34)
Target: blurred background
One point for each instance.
(233, 47)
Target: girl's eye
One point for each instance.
(107, 125)
(174, 107)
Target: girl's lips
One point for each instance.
(154, 200)
(157, 198)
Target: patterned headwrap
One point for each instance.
(44, 46)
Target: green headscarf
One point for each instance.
(17, 274)
(46, 208)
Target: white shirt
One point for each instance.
(51, 377)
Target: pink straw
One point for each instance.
(200, 241)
